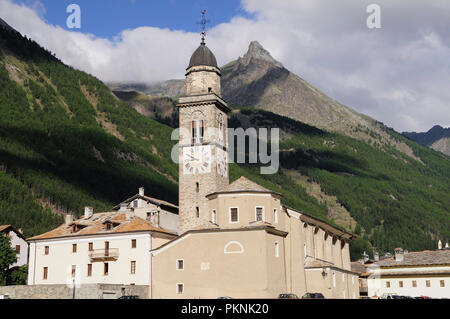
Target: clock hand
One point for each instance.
(193, 158)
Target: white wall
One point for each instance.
(60, 260)
(22, 257)
(377, 285)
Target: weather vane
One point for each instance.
(204, 22)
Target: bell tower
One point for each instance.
(203, 167)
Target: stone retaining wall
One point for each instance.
(88, 291)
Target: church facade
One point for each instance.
(238, 239)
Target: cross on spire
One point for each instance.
(204, 22)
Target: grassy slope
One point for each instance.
(57, 152)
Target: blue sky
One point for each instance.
(108, 18)
(397, 74)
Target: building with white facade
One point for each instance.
(18, 243)
(414, 274)
(104, 248)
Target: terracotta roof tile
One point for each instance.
(3, 227)
(95, 226)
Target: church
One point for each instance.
(237, 240)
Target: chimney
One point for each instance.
(365, 256)
(399, 254)
(69, 219)
(129, 215)
(20, 230)
(141, 191)
(88, 212)
(376, 256)
(446, 245)
(439, 245)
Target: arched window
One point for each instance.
(213, 217)
(277, 249)
(275, 216)
(233, 247)
(197, 129)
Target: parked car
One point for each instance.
(313, 295)
(224, 297)
(129, 297)
(389, 296)
(288, 296)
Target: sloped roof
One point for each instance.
(243, 184)
(95, 226)
(358, 267)
(149, 199)
(311, 262)
(419, 258)
(3, 227)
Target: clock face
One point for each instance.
(197, 160)
(222, 162)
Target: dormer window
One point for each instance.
(77, 227)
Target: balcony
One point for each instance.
(104, 254)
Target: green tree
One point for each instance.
(18, 276)
(7, 257)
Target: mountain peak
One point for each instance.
(257, 51)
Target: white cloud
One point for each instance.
(398, 74)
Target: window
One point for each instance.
(133, 243)
(388, 284)
(105, 269)
(213, 216)
(180, 264)
(108, 226)
(197, 187)
(89, 270)
(91, 246)
(275, 216)
(197, 212)
(106, 248)
(197, 132)
(133, 267)
(400, 284)
(442, 283)
(74, 268)
(234, 215)
(334, 279)
(277, 250)
(17, 249)
(135, 203)
(74, 248)
(45, 273)
(343, 277)
(414, 283)
(180, 288)
(428, 284)
(46, 250)
(259, 214)
(304, 249)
